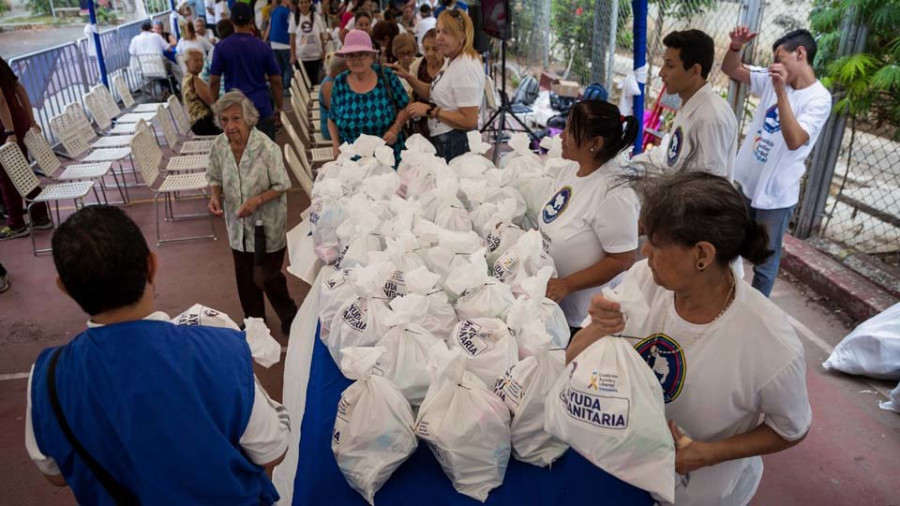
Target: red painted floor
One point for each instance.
(851, 456)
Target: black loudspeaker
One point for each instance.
(482, 41)
(495, 18)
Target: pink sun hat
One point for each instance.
(357, 41)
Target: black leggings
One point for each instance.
(205, 126)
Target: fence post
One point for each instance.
(95, 35)
(639, 9)
(599, 41)
(828, 148)
(751, 16)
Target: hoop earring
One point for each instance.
(701, 267)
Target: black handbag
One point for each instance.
(120, 494)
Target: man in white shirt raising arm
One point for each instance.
(793, 108)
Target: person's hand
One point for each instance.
(779, 77)
(336, 152)
(690, 455)
(249, 207)
(390, 137)
(582, 339)
(400, 71)
(215, 207)
(417, 109)
(741, 36)
(558, 289)
(10, 139)
(606, 315)
(293, 59)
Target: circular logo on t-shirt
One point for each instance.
(557, 205)
(666, 358)
(306, 26)
(675, 144)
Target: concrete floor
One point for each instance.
(851, 456)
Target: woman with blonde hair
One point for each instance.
(190, 40)
(455, 94)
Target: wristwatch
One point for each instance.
(9, 132)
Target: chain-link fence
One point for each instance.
(571, 39)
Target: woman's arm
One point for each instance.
(596, 275)
(326, 94)
(293, 48)
(255, 202)
(691, 455)
(466, 118)
(335, 138)
(390, 136)
(423, 90)
(202, 90)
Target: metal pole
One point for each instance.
(173, 15)
(750, 15)
(99, 47)
(639, 8)
(613, 33)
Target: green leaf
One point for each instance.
(886, 78)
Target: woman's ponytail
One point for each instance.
(755, 247)
(629, 134)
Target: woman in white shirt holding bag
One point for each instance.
(456, 92)
(590, 222)
(732, 370)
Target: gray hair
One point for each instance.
(338, 65)
(194, 50)
(232, 98)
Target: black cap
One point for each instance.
(241, 13)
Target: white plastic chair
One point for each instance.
(182, 121)
(300, 173)
(153, 70)
(22, 177)
(49, 164)
(95, 105)
(113, 110)
(77, 149)
(172, 138)
(128, 100)
(147, 158)
(306, 79)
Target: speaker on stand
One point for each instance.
(495, 22)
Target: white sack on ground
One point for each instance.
(872, 348)
(608, 406)
(373, 430)
(465, 425)
(489, 347)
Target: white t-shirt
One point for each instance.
(264, 439)
(147, 43)
(769, 173)
(209, 12)
(422, 27)
(723, 379)
(586, 218)
(200, 43)
(703, 138)
(459, 84)
(308, 36)
(221, 11)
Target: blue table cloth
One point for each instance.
(420, 480)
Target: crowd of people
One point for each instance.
(702, 201)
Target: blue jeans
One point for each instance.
(451, 144)
(283, 58)
(776, 223)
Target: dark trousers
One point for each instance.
(13, 201)
(267, 126)
(283, 57)
(205, 126)
(451, 144)
(312, 69)
(275, 286)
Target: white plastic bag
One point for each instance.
(893, 403)
(489, 347)
(523, 261)
(373, 430)
(465, 425)
(263, 347)
(608, 406)
(335, 291)
(198, 314)
(424, 304)
(479, 294)
(405, 361)
(872, 348)
(535, 311)
(500, 239)
(524, 388)
(360, 321)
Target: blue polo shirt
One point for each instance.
(245, 61)
(278, 19)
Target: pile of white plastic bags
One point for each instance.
(433, 300)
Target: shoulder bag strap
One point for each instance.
(119, 493)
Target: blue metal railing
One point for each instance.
(60, 75)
